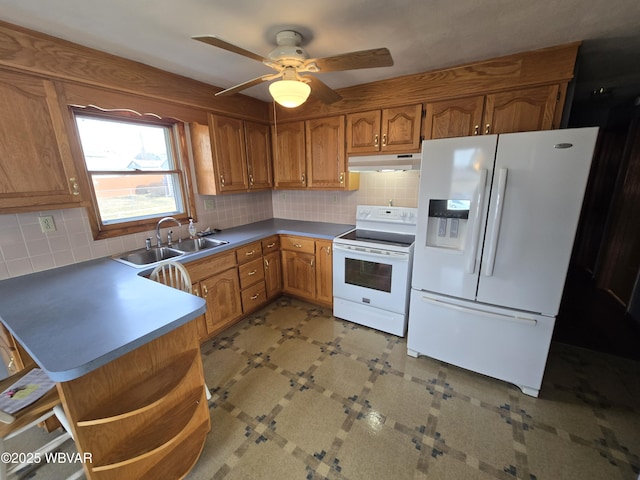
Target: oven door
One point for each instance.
(372, 277)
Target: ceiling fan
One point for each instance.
(291, 63)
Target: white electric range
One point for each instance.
(372, 268)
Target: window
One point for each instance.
(134, 168)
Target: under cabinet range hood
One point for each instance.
(384, 163)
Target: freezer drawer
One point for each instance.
(501, 343)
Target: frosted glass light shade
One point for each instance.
(290, 93)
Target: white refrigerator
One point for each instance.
(497, 217)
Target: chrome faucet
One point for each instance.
(162, 220)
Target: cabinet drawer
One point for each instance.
(248, 252)
(251, 272)
(270, 244)
(253, 297)
(297, 244)
(210, 265)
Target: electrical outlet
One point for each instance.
(47, 224)
(209, 204)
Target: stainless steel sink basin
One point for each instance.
(196, 244)
(146, 257)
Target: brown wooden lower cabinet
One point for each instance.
(307, 268)
(145, 414)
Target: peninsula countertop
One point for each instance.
(74, 319)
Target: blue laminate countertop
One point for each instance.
(74, 319)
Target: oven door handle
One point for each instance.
(392, 256)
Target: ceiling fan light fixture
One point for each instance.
(289, 93)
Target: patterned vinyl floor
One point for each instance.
(298, 394)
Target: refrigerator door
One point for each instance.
(538, 188)
(455, 179)
(504, 344)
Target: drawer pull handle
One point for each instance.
(252, 272)
(376, 141)
(222, 180)
(266, 264)
(248, 254)
(271, 245)
(297, 245)
(204, 290)
(255, 296)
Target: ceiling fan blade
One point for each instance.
(244, 86)
(218, 42)
(321, 91)
(377, 57)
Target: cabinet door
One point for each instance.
(229, 153)
(222, 293)
(326, 163)
(258, 144)
(363, 132)
(460, 117)
(298, 274)
(37, 167)
(521, 110)
(289, 168)
(401, 129)
(273, 274)
(206, 175)
(324, 271)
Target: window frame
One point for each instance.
(179, 149)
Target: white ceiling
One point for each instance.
(422, 35)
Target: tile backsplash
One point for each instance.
(25, 249)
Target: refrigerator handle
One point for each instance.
(476, 311)
(495, 221)
(477, 221)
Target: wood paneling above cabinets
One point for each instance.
(231, 155)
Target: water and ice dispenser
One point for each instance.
(447, 225)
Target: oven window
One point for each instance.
(366, 274)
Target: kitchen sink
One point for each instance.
(196, 244)
(143, 256)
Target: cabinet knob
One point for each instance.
(251, 180)
(476, 129)
(205, 291)
(487, 129)
(384, 140)
(302, 178)
(222, 180)
(376, 140)
(341, 177)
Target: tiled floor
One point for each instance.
(298, 394)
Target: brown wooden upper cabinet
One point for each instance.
(505, 112)
(326, 159)
(231, 155)
(289, 163)
(389, 130)
(311, 155)
(37, 165)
